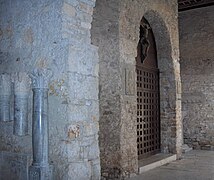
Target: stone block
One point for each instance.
(69, 9)
(84, 87)
(130, 81)
(96, 169)
(79, 170)
(86, 8)
(41, 172)
(93, 112)
(90, 129)
(84, 60)
(77, 113)
(73, 151)
(14, 166)
(86, 25)
(72, 2)
(93, 151)
(89, 2)
(87, 141)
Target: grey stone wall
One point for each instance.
(28, 40)
(115, 30)
(105, 35)
(197, 70)
(82, 104)
(55, 35)
(14, 165)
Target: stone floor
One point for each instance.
(194, 165)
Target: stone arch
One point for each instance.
(115, 31)
(168, 92)
(164, 25)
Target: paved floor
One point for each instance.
(195, 165)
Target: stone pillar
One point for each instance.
(5, 97)
(21, 91)
(40, 169)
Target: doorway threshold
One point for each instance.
(155, 161)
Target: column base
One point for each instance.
(41, 173)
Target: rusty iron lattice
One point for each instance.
(148, 122)
(191, 4)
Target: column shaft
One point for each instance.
(40, 127)
(40, 169)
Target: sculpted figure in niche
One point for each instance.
(144, 42)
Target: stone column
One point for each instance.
(40, 169)
(21, 91)
(5, 97)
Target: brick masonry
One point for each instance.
(197, 70)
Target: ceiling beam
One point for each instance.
(184, 5)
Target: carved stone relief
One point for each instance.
(144, 41)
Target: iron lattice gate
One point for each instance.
(148, 113)
(148, 118)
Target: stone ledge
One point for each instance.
(156, 161)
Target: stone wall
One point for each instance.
(197, 70)
(115, 30)
(105, 35)
(82, 106)
(163, 18)
(55, 35)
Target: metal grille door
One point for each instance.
(148, 124)
(148, 114)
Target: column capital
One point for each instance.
(40, 78)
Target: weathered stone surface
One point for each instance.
(21, 99)
(5, 96)
(197, 70)
(40, 168)
(130, 81)
(14, 165)
(80, 170)
(41, 173)
(115, 30)
(56, 35)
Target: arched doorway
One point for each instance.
(148, 98)
(116, 32)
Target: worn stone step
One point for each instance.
(155, 161)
